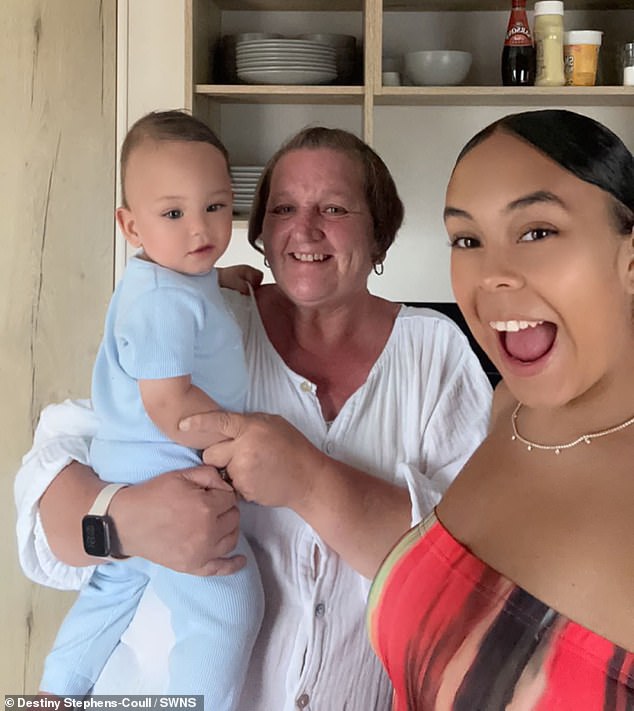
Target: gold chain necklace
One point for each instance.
(587, 438)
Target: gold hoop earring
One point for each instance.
(378, 268)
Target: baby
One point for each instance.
(170, 345)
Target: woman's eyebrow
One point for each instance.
(456, 212)
(533, 198)
(538, 196)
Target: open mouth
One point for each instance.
(525, 341)
(310, 256)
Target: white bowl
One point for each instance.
(332, 39)
(440, 67)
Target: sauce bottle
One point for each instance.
(628, 64)
(549, 43)
(518, 55)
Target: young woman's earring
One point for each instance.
(378, 268)
(266, 263)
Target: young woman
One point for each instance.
(518, 591)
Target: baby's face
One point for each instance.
(179, 204)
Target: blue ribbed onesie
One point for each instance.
(162, 324)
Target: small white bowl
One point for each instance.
(440, 67)
(391, 78)
(391, 64)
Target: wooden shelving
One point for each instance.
(484, 5)
(205, 30)
(282, 94)
(293, 5)
(406, 5)
(206, 27)
(504, 96)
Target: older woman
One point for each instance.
(386, 403)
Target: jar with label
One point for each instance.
(628, 64)
(581, 56)
(549, 42)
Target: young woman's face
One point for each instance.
(317, 229)
(179, 204)
(539, 271)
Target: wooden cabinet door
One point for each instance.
(57, 182)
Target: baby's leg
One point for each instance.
(215, 621)
(92, 629)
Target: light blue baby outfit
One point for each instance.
(162, 324)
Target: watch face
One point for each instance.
(96, 535)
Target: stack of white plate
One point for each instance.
(244, 180)
(285, 61)
(345, 52)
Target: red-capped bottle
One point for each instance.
(518, 56)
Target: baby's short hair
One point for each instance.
(173, 125)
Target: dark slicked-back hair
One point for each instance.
(173, 125)
(581, 145)
(381, 195)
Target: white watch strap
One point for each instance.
(104, 497)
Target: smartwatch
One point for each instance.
(97, 527)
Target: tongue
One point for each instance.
(529, 344)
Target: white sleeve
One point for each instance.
(63, 434)
(424, 494)
(454, 429)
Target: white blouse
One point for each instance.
(421, 412)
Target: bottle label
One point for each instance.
(518, 35)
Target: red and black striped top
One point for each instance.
(456, 635)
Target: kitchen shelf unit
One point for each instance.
(205, 22)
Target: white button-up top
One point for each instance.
(421, 412)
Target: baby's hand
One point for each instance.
(239, 277)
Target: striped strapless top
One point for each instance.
(456, 635)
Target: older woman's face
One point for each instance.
(317, 230)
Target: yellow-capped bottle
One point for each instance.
(549, 42)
